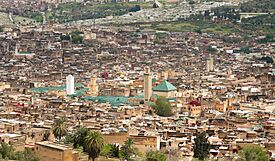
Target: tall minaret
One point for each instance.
(147, 84)
(229, 72)
(210, 64)
(16, 50)
(93, 87)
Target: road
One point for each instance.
(12, 20)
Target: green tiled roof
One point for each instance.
(141, 96)
(26, 52)
(113, 100)
(165, 86)
(80, 91)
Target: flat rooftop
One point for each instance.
(53, 145)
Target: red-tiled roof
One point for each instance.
(194, 103)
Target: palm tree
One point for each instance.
(127, 149)
(79, 137)
(125, 153)
(60, 128)
(114, 150)
(93, 144)
(46, 135)
(129, 143)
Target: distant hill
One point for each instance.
(79, 11)
(6, 22)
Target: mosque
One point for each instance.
(164, 89)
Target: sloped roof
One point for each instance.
(165, 86)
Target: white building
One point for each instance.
(70, 85)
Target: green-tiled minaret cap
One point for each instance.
(164, 86)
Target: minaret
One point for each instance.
(16, 50)
(229, 72)
(70, 85)
(147, 84)
(93, 87)
(210, 64)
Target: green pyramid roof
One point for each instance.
(164, 86)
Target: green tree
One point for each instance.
(125, 153)
(155, 156)
(69, 139)
(191, 2)
(93, 143)
(106, 150)
(253, 153)
(65, 37)
(6, 151)
(198, 30)
(135, 8)
(267, 59)
(211, 49)
(127, 150)
(76, 37)
(114, 151)
(60, 128)
(110, 150)
(46, 135)
(26, 155)
(79, 137)
(201, 149)
(155, 5)
(163, 107)
(37, 16)
(129, 143)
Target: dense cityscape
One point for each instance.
(137, 80)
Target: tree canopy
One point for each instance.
(163, 107)
(155, 156)
(253, 153)
(110, 150)
(60, 128)
(127, 150)
(267, 59)
(201, 149)
(76, 37)
(7, 153)
(93, 144)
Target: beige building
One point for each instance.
(116, 138)
(193, 108)
(146, 143)
(49, 151)
(4, 85)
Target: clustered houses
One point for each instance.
(233, 101)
